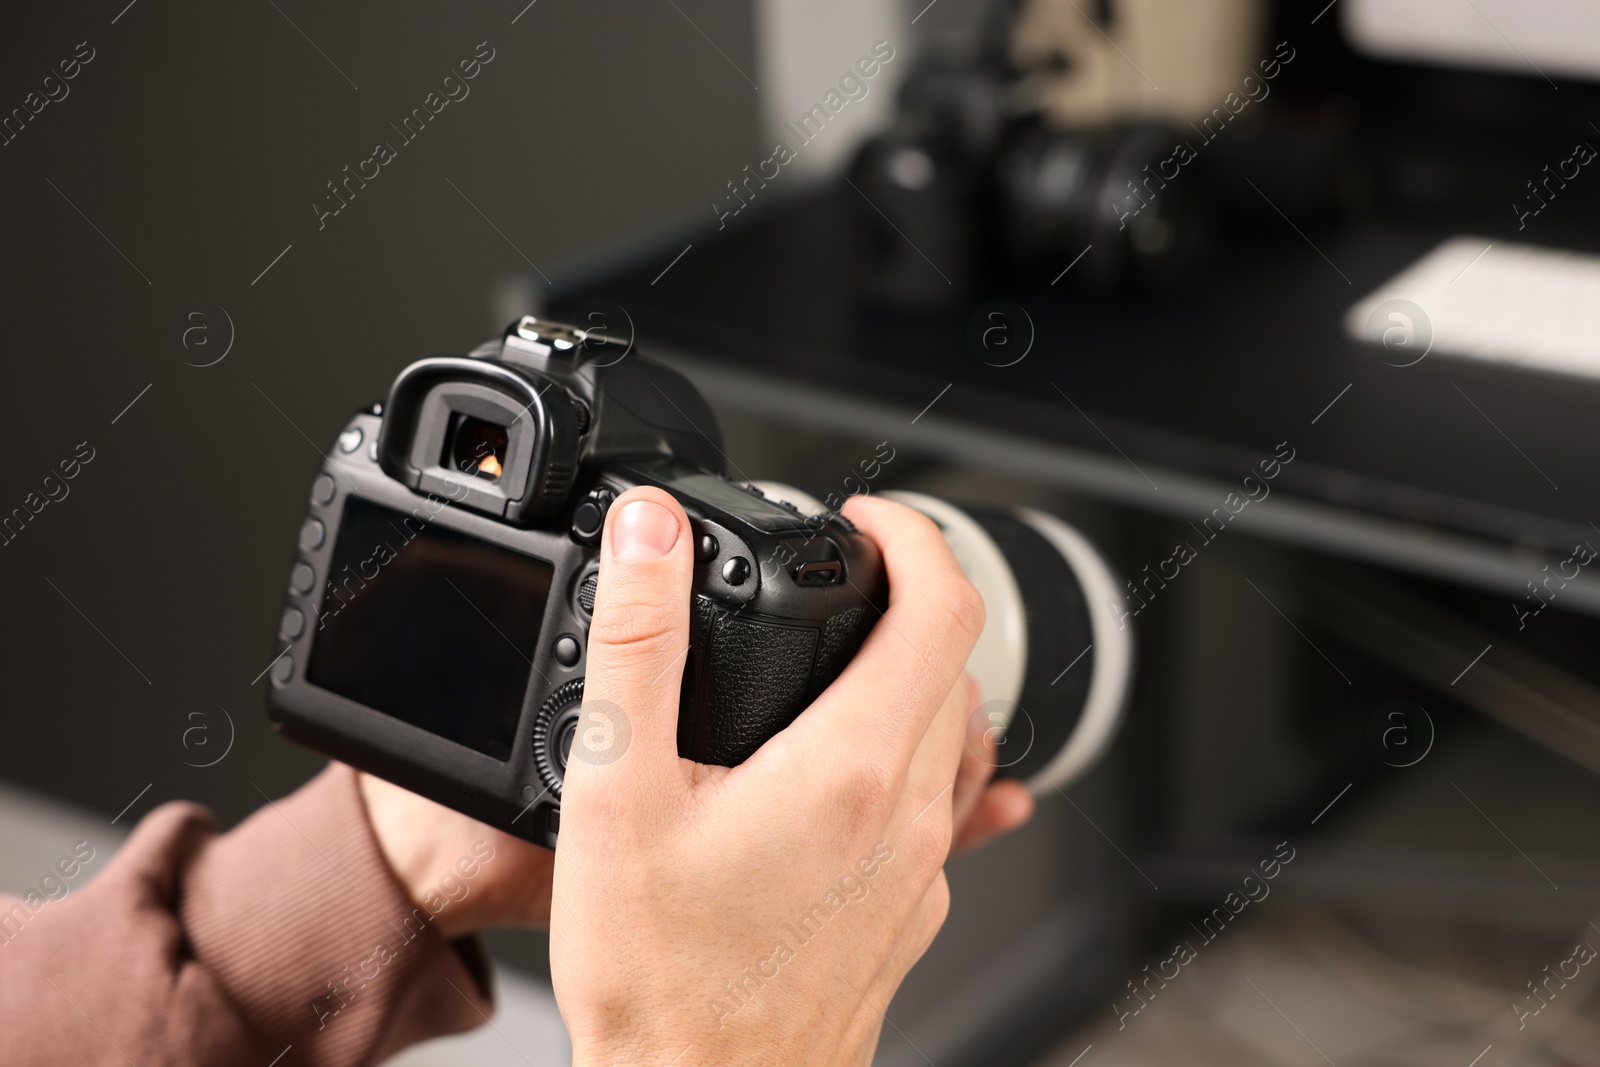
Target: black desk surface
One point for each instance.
(1193, 387)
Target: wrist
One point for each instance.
(415, 857)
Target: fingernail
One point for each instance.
(643, 531)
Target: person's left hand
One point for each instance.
(422, 840)
(984, 809)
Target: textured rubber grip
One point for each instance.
(748, 677)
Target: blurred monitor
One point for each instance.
(1539, 38)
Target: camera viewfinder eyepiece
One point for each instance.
(478, 447)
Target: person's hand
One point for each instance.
(426, 843)
(423, 840)
(985, 810)
(765, 912)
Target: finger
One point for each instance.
(638, 642)
(1005, 806)
(977, 761)
(930, 917)
(927, 803)
(915, 652)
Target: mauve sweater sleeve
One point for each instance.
(288, 937)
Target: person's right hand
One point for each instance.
(766, 912)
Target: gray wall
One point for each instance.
(196, 141)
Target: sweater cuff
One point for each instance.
(309, 933)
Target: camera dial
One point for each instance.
(553, 730)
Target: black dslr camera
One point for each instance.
(440, 600)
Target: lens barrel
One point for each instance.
(1054, 664)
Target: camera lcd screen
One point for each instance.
(430, 626)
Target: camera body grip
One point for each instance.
(749, 676)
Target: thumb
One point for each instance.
(638, 643)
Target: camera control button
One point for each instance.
(705, 548)
(302, 578)
(589, 517)
(586, 592)
(736, 570)
(350, 440)
(588, 520)
(283, 670)
(312, 534)
(293, 623)
(567, 650)
(819, 572)
(322, 489)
